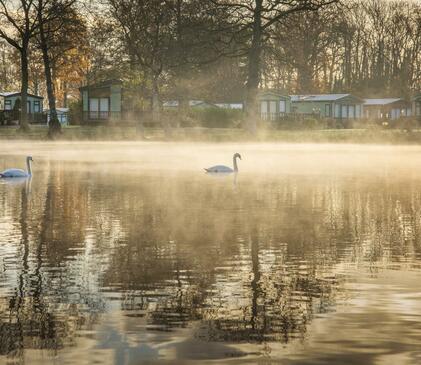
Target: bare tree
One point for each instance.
(18, 24)
(9, 66)
(257, 17)
(373, 49)
(54, 17)
(147, 34)
(302, 42)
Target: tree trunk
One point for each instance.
(65, 94)
(254, 70)
(155, 100)
(54, 126)
(180, 71)
(156, 108)
(255, 283)
(305, 79)
(23, 120)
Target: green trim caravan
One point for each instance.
(335, 106)
(10, 107)
(102, 102)
(273, 105)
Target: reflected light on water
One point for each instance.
(121, 253)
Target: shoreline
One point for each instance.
(129, 134)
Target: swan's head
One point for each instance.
(237, 155)
(29, 158)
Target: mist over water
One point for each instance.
(123, 253)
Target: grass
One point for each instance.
(113, 133)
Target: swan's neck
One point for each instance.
(28, 165)
(235, 163)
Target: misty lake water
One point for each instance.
(128, 253)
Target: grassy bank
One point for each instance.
(111, 133)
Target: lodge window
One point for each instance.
(268, 109)
(8, 105)
(282, 106)
(264, 109)
(99, 108)
(272, 109)
(418, 108)
(344, 111)
(351, 111)
(337, 111)
(328, 110)
(37, 108)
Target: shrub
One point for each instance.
(217, 117)
(186, 119)
(405, 124)
(371, 124)
(75, 112)
(299, 122)
(313, 123)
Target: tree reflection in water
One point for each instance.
(249, 263)
(40, 312)
(177, 267)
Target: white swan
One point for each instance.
(14, 173)
(225, 169)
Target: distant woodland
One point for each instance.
(218, 50)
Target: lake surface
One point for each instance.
(128, 253)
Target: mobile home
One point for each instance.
(9, 100)
(273, 105)
(386, 108)
(102, 102)
(338, 106)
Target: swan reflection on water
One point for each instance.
(18, 181)
(225, 175)
(14, 181)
